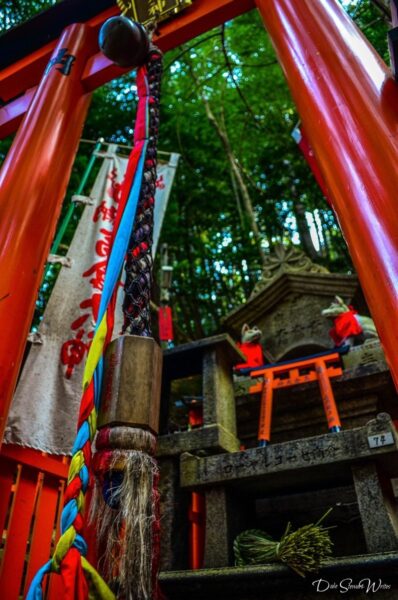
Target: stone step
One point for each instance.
(378, 572)
(298, 463)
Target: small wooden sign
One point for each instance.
(147, 11)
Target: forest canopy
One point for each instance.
(242, 185)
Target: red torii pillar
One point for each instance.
(348, 102)
(33, 181)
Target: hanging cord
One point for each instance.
(124, 508)
(80, 579)
(139, 262)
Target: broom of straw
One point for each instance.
(303, 550)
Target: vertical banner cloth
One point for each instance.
(46, 402)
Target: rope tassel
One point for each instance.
(123, 510)
(124, 506)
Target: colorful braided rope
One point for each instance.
(80, 579)
(139, 260)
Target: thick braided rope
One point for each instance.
(139, 260)
(80, 578)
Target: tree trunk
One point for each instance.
(302, 225)
(247, 203)
(235, 169)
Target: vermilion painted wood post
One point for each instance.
(348, 104)
(264, 424)
(18, 533)
(197, 518)
(33, 181)
(328, 400)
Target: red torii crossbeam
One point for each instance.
(20, 79)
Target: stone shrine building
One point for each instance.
(304, 471)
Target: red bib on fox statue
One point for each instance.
(345, 326)
(349, 328)
(250, 346)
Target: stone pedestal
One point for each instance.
(217, 541)
(226, 517)
(213, 358)
(218, 388)
(377, 510)
(174, 505)
(378, 575)
(307, 464)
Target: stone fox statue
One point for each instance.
(349, 327)
(251, 347)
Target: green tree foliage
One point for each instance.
(217, 260)
(14, 12)
(242, 185)
(374, 19)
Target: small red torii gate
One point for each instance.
(345, 95)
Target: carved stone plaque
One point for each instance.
(145, 11)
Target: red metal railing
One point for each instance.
(31, 490)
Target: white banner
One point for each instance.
(45, 407)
